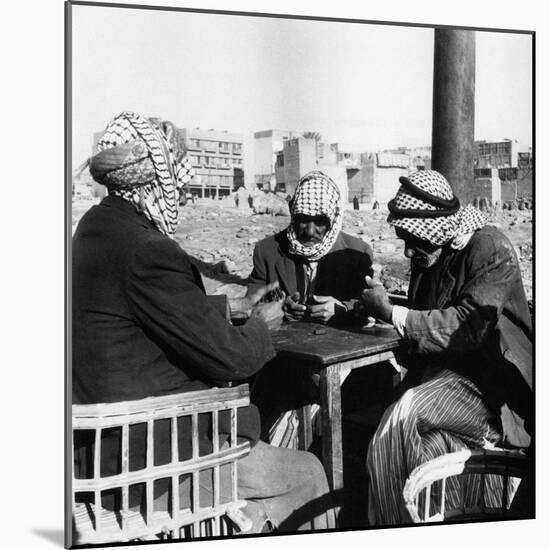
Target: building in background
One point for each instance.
(502, 169)
(498, 154)
(488, 185)
(368, 176)
(304, 154)
(420, 158)
(217, 157)
(267, 143)
(506, 162)
(517, 181)
(381, 176)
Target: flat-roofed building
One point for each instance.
(217, 157)
(267, 144)
(301, 155)
(498, 154)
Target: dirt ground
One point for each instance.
(221, 239)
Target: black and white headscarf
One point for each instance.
(316, 195)
(426, 207)
(141, 160)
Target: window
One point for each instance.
(319, 149)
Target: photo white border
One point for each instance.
(33, 229)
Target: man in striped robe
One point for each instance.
(467, 328)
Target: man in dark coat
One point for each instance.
(321, 272)
(320, 269)
(468, 331)
(142, 325)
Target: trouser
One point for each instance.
(284, 487)
(290, 486)
(445, 414)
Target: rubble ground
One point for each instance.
(221, 239)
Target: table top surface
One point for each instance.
(322, 345)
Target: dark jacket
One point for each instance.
(141, 322)
(340, 273)
(470, 313)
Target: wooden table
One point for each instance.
(333, 353)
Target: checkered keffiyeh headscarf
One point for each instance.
(141, 160)
(426, 207)
(316, 195)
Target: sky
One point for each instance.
(368, 86)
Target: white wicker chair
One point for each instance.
(93, 524)
(431, 477)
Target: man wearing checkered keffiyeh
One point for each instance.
(142, 327)
(142, 161)
(316, 195)
(467, 327)
(320, 270)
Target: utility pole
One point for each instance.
(454, 109)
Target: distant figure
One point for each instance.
(250, 201)
(355, 203)
(236, 198)
(375, 205)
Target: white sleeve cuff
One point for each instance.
(399, 319)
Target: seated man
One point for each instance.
(319, 268)
(468, 331)
(142, 325)
(321, 271)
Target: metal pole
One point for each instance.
(454, 109)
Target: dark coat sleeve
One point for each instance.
(165, 298)
(491, 271)
(362, 268)
(259, 276)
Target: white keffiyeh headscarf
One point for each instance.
(142, 161)
(426, 207)
(316, 195)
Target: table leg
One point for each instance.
(305, 430)
(331, 418)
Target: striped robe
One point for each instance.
(443, 415)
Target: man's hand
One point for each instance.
(376, 301)
(294, 310)
(325, 308)
(242, 307)
(270, 312)
(254, 297)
